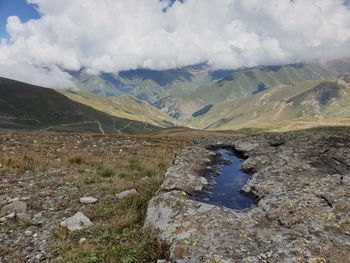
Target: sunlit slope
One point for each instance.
(29, 107)
(305, 101)
(125, 106)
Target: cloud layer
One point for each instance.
(115, 35)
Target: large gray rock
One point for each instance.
(77, 222)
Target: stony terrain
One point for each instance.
(302, 180)
(62, 196)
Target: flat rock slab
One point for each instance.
(303, 215)
(77, 222)
(87, 200)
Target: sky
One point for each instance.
(42, 39)
(18, 8)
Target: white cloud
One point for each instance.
(115, 35)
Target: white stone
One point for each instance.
(82, 240)
(77, 222)
(126, 193)
(88, 200)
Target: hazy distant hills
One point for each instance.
(28, 107)
(183, 92)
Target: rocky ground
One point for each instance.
(80, 198)
(302, 181)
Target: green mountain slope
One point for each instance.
(24, 106)
(304, 101)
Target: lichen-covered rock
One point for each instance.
(303, 183)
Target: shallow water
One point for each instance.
(226, 188)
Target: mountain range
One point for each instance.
(143, 100)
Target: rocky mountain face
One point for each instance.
(185, 91)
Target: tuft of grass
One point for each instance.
(77, 159)
(105, 172)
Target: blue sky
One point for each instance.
(19, 8)
(23, 10)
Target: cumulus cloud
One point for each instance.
(115, 35)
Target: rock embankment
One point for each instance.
(302, 181)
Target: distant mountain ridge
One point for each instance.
(184, 91)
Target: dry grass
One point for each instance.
(54, 170)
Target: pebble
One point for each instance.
(82, 240)
(144, 179)
(28, 233)
(126, 193)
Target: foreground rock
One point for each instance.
(77, 222)
(126, 193)
(302, 181)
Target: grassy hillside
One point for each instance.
(124, 106)
(24, 106)
(184, 91)
(325, 102)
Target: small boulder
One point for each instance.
(88, 200)
(77, 222)
(126, 193)
(17, 207)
